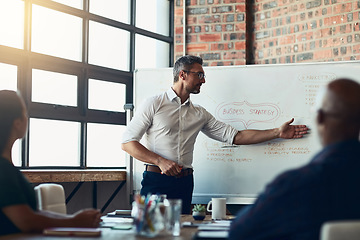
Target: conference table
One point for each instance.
(111, 234)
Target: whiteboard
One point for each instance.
(249, 97)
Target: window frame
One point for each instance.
(26, 60)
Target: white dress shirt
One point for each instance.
(171, 128)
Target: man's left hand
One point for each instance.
(292, 131)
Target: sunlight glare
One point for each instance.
(56, 34)
(113, 9)
(71, 3)
(8, 77)
(149, 15)
(12, 23)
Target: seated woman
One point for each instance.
(18, 211)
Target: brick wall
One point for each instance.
(215, 30)
(285, 31)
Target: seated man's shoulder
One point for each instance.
(295, 179)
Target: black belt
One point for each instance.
(184, 172)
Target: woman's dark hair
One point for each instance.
(185, 63)
(11, 108)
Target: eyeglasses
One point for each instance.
(201, 75)
(330, 114)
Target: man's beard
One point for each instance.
(195, 90)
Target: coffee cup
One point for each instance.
(217, 207)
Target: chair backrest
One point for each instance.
(51, 197)
(340, 230)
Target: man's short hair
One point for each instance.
(185, 63)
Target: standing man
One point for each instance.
(171, 123)
(298, 202)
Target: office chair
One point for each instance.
(340, 230)
(51, 197)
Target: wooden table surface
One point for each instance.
(110, 234)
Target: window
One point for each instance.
(12, 23)
(8, 77)
(109, 46)
(56, 33)
(106, 95)
(150, 53)
(54, 88)
(149, 15)
(107, 138)
(73, 62)
(113, 9)
(72, 3)
(54, 143)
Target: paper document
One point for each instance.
(212, 235)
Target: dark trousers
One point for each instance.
(174, 188)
